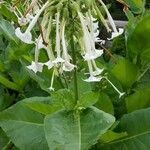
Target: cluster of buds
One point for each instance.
(54, 18)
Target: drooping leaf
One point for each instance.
(24, 127)
(137, 126)
(45, 105)
(70, 131)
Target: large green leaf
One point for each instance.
(24, 127)
(140, 99)
(137, 126)
(138, 42)
(125, 72)
(69, 131)
(43, 105)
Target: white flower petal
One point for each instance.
(67, 66)
(93, 79)
(93, 55)
(40, 44)
(25, 37)
(58, 60)
(98, 71)
(115, 34)
(22, 21)
(36, 67)
(49, 64)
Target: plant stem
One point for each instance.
(75, 70)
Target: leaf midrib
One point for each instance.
(128, 138)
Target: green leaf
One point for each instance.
(87, 99)
(138, 42)
(111, 136)
(125, 72)
(104, 103)
(137, 6)
(20, 50)
(3, 139)
(140, 99)
(137, 126)
(8, 30)
(65, 98)
(82, 85)
(43, 105)
(70, 131)
(7, 13)
(24, 127)
(145, 56)
(5, 100)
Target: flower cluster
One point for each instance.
(54, 15)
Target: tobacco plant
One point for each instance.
(64, 86)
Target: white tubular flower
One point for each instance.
(26, 37)
(93, 55)
(89, 42)
(36, 67)
(57, 48)
(92, 78)
(21, 19)
(109, 16)
(39, 42)
(51, 88)
(97, 71)
(67, 66)
(115, 32)
(120, 93)
(40, 45)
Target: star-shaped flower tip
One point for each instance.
(115, 34)
(98, 71)
(67, 66)
(93, 55)
(58, 60)
(36, 67)
(49, 64)
(51, 89)
(121, 94)
(24, 37)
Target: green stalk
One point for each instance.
(75, 70)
